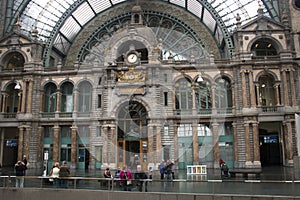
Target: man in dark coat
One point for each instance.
(140, 177)
(64, 172)
(20, 168)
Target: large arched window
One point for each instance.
(264, 47)
(12, 103)
(67, 97)
(203, 95)
(223, 93)
(183, 96)
(85, 97)
(50, 97)
(14, 61)
(267, 91)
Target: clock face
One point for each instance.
(132, 58)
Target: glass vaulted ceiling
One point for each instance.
(59, 21)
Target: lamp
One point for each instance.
(200, 79)
(18, 86)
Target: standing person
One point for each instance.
(54, 174)
(20, 168)
(107, 174)
(140, 177)
(168, 169)
(24, 160)
(150, 172)
(173, 169)
(64, 172)
(126, 177)
(162, 166)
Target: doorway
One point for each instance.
(132, 135)
(132, 158)
(269, 144)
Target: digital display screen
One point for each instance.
(271, 139)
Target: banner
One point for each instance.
(297, 119)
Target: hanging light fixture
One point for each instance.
(200, 79)
(17, 86)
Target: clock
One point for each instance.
(132, 58)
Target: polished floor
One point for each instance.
(274, 181)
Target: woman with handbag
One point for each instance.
(126, 177)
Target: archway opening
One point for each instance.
(132, 135)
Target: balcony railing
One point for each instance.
(48, 115)
(9, 115)
(204, 111)
(65, 115)
(224, 110)
(269, 108)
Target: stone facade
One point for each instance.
(103, 111)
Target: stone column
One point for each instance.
(58, 101)
(158, 143)
(252, 90)
(29, 96)
(194, 97)
(27, 141)
(56, 143)
(245, 102)
(233, 95)
(256, 144)
(150, 145)
(195, 143)
(277, 94)
(235, 140)
(247, 143)
(215, 127)
(40, 146)
(20, 143)
(20, 101)
(258, 95)
(285, 88)
(213, 94)
(113, 145)
(76, 100)
(175, 127)
(24, 95)
(4, 99)
(42, 97)
(293, 95)
(288, 143)
(74, 144)
(105, 145)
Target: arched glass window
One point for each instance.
(264, 47)
(14, 61)
(50, 97)
(12, 103)
(223, 93)
(183, 95)
(85, 97)
(67, 97)
(203, 95)
(267, 90)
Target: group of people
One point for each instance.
(128, 179)
(58, 174)
(167, 168)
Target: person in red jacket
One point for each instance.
(126, 177)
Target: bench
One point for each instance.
(245, 171)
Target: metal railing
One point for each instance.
(194, 184)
